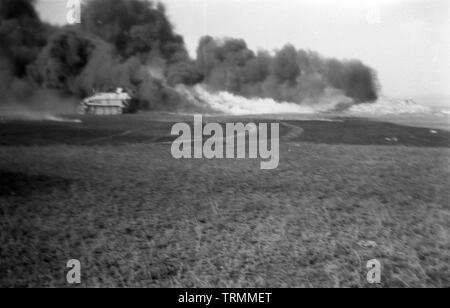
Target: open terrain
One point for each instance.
(108, 192)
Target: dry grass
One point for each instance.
(136, 217)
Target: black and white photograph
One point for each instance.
(239, 147)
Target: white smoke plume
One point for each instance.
(387, 106)
(228, 103)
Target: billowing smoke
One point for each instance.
(288, 75)
(22, 37)
(121, 43)
(134, 27)
(132, 44)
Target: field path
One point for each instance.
(294, 133)
(125, 133)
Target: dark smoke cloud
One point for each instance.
(289, 75)
(121, 43)
(134, 27)
(22, 36)
(132, 44)
(63, 59)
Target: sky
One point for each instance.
(406, 41)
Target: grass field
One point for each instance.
(109, 193)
